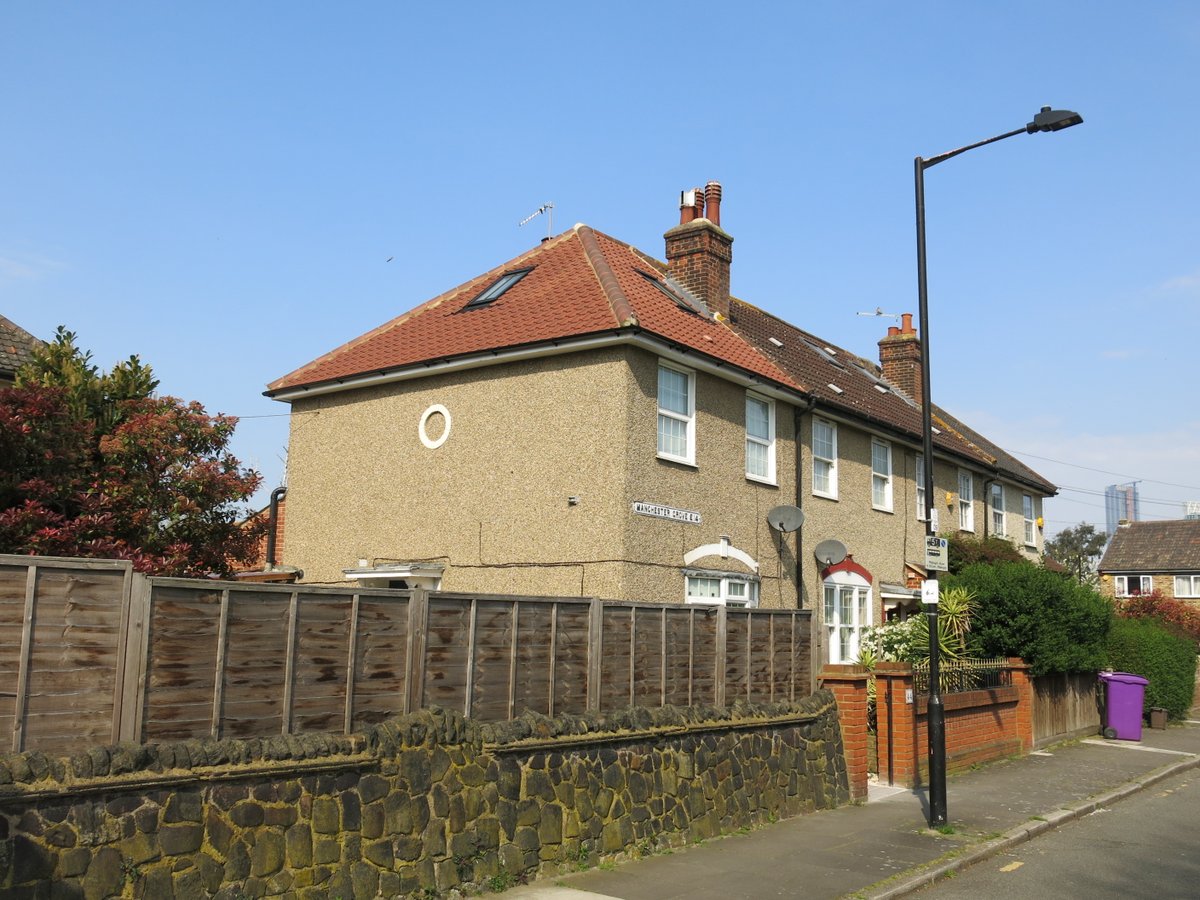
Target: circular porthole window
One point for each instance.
(437, 416)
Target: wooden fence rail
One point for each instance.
(98, 653)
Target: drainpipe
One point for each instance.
(272, 523)
(800, 413)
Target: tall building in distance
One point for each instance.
(1191, 510)
(1120, 504)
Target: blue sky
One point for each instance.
(218, 187)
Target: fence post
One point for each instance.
(131, 683)
(595, 651)
(721, 661)
(418, 621)
(848, 684)
(1024, 685)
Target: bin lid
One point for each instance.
(1127, 678)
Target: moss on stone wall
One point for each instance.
(417, 805)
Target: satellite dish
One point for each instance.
(785, 518)
(830, 552)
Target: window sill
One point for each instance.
(832, 497)
(769, 482)
(883, 509)
(677, 460)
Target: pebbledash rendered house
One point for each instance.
(588, 420)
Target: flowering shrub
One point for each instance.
(1176, 614)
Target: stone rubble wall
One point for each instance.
(422, 805)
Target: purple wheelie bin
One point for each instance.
(1123, 694)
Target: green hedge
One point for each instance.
(1053, 623)
(1148, 648)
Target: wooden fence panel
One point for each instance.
(380, 660)
(737, 656)
(649, 657)
(571, 658)
(1064, 707)
(531, 687)
(181, 671)
(256, 660)
(677, 628)
(616, 660)
(319, 680)
(490, 687)
(761, 682)
(62, 655)
(446, 653)
(704, 626)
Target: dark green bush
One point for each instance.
(1054, 624)
(1148, 648)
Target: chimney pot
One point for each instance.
(712, 196)
(687, 206)
(906, 323)
(893, 330)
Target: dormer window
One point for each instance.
(497, 288)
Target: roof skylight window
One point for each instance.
(497, 288)
(668, 287)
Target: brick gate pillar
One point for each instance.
(848, 684)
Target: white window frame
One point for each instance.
(1192, 589)
(881, 482)
(1121, 585)
(999, 517)
(844, 639)
(689, 420)
(734, 589)
(768, 443)
(832, 462)
(919, 481)
(1027, 510)
(966, 501)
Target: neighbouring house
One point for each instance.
(16, 349)
(265, 567)
(1143, 557)
(588, 420)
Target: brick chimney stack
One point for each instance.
(900, 357)
(698, 251)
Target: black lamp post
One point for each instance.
(1046, 120)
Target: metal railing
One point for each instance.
(959, 675)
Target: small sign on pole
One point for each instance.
(929, 591)
(937, 554)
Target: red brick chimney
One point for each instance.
(900, 357)
(698, 251)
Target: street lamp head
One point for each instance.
(1053, 120)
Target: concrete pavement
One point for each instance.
(883, 849)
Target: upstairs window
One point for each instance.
(1030, 523)
(676, 414)
(493, 291)
(1132, 585)
(966, 501)
(760, 439)
(824, 451)
(881, 475)
(998, 518)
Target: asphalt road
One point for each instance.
(1147, 845)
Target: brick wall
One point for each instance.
(981, 726)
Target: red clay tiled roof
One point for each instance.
(564, 296)
(586, 283)
(1172, 546)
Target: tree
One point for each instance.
(1078, 549)
(98, 466)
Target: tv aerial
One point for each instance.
(547, 208)
(880, 314)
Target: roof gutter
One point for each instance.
(635, 337)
